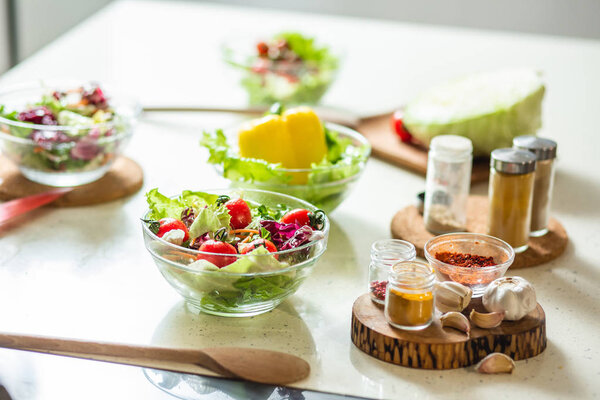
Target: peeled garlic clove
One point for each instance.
(456, 320)
(452, 296)
(486, 320)
(496, 363)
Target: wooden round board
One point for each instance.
(408, 225)
(444, 348)
(124, 178)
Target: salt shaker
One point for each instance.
(448, 182)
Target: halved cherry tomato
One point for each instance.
(240, 213)
(248, 247)
(215, 246)
(170, 224)
(399, 128)
(298, 216)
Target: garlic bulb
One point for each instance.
(512, 295)
(452, 296)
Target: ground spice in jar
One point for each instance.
(409, 309)
(378, 289)
(465, 259)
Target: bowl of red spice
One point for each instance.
(471, 259)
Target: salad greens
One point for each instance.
(88, 139)
(222, 229)
(290, 68)
(327, 181)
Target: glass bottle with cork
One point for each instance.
(512, 176)
(409, 300)
(448, 181)
(545, 154)
(384, 254)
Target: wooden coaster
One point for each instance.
(408, 225)
(124, 178)
(444, 348)
(386, 146)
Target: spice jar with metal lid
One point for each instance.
(384, 254)
(409, 298)
(512, 176)
(545, 154)
(448, 181)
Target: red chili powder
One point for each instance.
(465, 259)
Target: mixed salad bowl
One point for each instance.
(234, 252)
(64, 133)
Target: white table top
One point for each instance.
(84, 272)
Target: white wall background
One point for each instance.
(4, 43)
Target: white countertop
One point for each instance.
(84, 272)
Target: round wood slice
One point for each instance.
(408, 225)
(444, 348)
(124, 178)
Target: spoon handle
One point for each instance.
(146, 356)
(12, 208)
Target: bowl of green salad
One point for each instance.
(291, 152)
(64, 133)
(232, 252)
(288, 67)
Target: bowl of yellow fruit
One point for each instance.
(292, 152)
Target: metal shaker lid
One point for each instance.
(513, 161)
(544, 149)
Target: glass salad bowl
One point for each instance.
(477, 278)
(288, 67)
(64, 133)
(325, 186)
(269, 278)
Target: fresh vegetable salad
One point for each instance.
(293, 152)
(290, 68)
(70, 130)
(226, 253)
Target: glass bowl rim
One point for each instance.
(50, 83)
(488, 238)
(325, 231)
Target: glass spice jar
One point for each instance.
(384, 254)
(409, 298)
(545, 154)
(448, 180)
(512, 176)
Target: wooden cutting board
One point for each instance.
(386, 146)
(444, 348)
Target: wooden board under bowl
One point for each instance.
(386, 146)
(444, 348)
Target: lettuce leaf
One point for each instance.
(162, 206)
(306, 48)
(258, 260)
(209, 219)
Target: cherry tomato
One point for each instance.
(399, 128)
(170, 224)
(215, 246)
(298, 216)
(262, 48)
(240, 213)
(248, 247)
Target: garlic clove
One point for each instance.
(496, 363)
(486, 320)
(452, 296)
(456, 320)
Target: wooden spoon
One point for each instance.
(256, 365)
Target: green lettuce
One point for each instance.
(306, 48)
(162, 206)
(209, 219)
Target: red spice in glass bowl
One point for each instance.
(465, 259)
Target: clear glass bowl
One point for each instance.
(471, 243)
(83, 153)
(329, 185)
(267, 82)
(230, 294)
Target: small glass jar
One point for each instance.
(545, 154)
(409, 302)
(512, 176)
(384, 254)
(449, 165)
